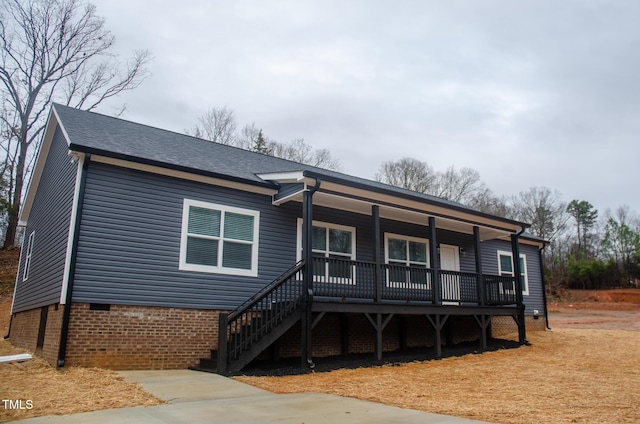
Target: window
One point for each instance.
(331, 241)
(505, 267)
(219, 239)
(410, 252)
(27, 260)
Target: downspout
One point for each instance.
(64, 334)
(516, 265)
(307, 286)
(517, 272)
(6, 336)
(544, 287)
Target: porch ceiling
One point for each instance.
(402, 212)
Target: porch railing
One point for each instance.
(335, 277)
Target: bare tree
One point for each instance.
(462, 186)
(299, 151)
(458, 186)
(408, 173)
(621, 242)
(52, 50)
(217, 125)
(544, 210)
(248, 136)
(486, 201)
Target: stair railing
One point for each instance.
(260, 314)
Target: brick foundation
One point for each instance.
(144, 337)
(25, 327)
(51, 346)
(140, 337)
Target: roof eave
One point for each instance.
(53, 122)
(517, 225)
(170, 166)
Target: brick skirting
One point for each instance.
(140, 337)
(25, 328)
(145, 337)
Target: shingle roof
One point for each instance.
(92, 132)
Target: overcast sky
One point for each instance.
(528, 93)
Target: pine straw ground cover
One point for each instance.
(57, 392)
(71, 390)
(567, 375)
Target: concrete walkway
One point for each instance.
(196, 397)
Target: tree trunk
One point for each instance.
(16, 202)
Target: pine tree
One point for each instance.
(260, 145)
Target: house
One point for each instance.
(145, 248)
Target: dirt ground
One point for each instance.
(604, 310)
(586, 370)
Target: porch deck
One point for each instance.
(379, 291)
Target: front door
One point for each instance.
(450, 261)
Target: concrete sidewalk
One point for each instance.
(196, 397)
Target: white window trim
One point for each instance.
(184, 266)
(28, 256)
(525, 290)
(398, 284)
(331, 226)
(387, 236)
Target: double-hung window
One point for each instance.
(219, 239)
(505, 267)
(408, 260)
(335, 242)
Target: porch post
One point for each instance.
(517, 272)
(476, 247)
(375, 214)
(433, 258)
(307, 280)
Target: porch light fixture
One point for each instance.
(438, 248)
(462, 251)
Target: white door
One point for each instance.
(450, 286)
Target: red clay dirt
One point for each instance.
(604, 310)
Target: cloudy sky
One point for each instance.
(528, 93)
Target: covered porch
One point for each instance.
(378, 280)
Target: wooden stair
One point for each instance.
(256, 324)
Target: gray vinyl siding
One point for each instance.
(535, 299)
(129, 242)
(49, 219)
(287, 190)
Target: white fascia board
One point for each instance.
(71, 234)
(52, 123)
(283, 177)
(439, 211)
(183, 175)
